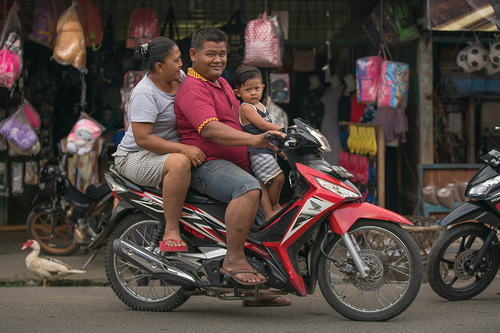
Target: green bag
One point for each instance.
(406, 24)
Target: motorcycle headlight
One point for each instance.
(325, 146)
(339, 190)
(41, 186)
(483, 188)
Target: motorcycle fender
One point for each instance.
(45, 207)
(341, 219)
(470, 211)
(121, 210)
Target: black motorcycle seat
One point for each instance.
(95, 192)
(193, 196)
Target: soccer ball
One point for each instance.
(477, 56)
(462, 61)
(495, 52)
(491, 68)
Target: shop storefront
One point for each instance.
(315, 79)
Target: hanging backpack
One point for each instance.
(394, 85)
(407, 27)
(262, 45)
(45, 18)
(90, 20)
(143, 27)
(368, 78)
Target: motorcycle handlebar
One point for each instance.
(274, 137)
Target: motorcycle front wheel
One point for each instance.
(450, 256)
(38, 226)
(138, 289)
(394, 277)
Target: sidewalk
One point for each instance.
(13, 267)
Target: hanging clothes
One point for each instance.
(395, 124)
(311, 106)
(330, 124)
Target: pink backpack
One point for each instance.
(45, 17)
(262, 45)
(368, 78)
(395, 80)
(143, 27)
(9, 67)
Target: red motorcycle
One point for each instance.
(367, 266)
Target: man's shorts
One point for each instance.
(222, 180)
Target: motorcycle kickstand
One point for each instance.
(92, 256)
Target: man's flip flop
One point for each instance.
(241, 271)
(179, 248)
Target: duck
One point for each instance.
(48, 269)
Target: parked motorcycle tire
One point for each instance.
(395, 273)
(139, 290)
(38, 228)
(448, 259)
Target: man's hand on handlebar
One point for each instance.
(261, 141)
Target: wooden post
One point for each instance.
(425, 117)
(471, 136)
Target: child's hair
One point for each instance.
(244, 73)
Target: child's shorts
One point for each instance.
(265, 166)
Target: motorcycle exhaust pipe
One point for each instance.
(150, 262)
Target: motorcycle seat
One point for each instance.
(193, 196)
(95, 192)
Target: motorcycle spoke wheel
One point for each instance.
(139, 289)
(38, 227)
(450, 256)
(394, 278)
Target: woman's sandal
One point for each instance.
(178, 248)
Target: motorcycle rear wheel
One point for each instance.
(393, 281)
(38, 228)
(449, 257)
(139, 290)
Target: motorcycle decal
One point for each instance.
(310, 209)
(193, 221)
(148, 203)
(194, 232)
(255, 248)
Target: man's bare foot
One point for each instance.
(244, 266)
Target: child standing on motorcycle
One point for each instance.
(255, 119)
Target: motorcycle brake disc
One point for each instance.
(379, 271)
(464, 259)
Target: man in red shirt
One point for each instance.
(207, 113)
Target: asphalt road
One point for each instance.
(97, 309)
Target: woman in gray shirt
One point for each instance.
(150, 153)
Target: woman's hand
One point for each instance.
(195, 154)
